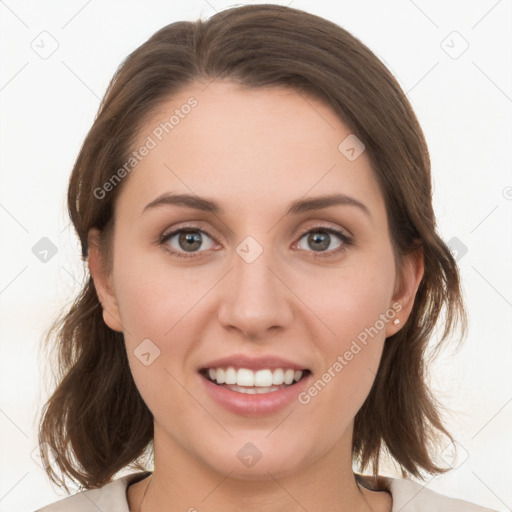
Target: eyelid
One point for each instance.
(193, 225)
(328, 226)
(342, 233)
(200, 226)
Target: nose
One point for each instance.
(255, 298)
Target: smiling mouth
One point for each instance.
(243, 380)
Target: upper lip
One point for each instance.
(253, 363)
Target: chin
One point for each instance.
(255, 457)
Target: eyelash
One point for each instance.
(347, 241)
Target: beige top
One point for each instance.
(408, 496)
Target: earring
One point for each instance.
(396, 321)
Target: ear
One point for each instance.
(406, 286)
(103, 281)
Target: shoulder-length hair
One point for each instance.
(96, 420)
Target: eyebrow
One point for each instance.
(296, 207)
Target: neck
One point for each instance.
(181, 482)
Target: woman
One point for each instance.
(254, 205)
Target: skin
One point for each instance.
(253, 151)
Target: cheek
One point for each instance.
(352, 307)
(354, 298)
(153, 303)
(152, 296)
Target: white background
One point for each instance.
(464, 105)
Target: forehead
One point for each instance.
(260, 143)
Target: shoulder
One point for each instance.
(111, 497)
(408, 496)
(411, 496)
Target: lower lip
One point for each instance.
(257, 404)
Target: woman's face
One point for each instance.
(252, 280)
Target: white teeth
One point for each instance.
(244, 377)
(278, 377)
(230, 376)
(288, 376)
(263, 379)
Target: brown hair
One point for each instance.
(96, 419)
